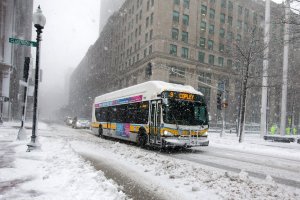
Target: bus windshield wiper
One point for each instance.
(177, 126)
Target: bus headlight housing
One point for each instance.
(167, 133)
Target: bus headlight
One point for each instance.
(205, 133)
(167, 133)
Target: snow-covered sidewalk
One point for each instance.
(54, 172)
(58, 170)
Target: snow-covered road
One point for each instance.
(175, 172)
(224, 170)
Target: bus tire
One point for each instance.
(142, 137)
(100, 131)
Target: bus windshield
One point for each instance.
(181, 112)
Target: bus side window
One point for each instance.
(97, 114)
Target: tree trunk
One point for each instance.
(243, 105)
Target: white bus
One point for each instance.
(153, 113)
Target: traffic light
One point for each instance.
(26, 68)
(149, 69)
(219, 100)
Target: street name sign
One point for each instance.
(22, 42)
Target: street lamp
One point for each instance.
(39, 22)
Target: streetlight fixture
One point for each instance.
(39, 22)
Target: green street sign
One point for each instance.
(22, 42)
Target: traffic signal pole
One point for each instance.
(223, 113)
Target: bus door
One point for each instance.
(155, 121)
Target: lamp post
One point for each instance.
(39, 22)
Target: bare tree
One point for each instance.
(248, 56)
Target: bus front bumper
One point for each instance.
(185, 141)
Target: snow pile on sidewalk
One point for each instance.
(181, 179)
(54, 172)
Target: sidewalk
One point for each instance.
(53, 172)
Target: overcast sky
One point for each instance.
(71, 27)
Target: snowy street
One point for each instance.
(74, 164)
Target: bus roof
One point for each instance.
(147, 90)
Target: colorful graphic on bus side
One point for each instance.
(123, 130)
(120, 101)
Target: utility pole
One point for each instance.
(285, 69)
(264, 95)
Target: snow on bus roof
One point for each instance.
(149, 90)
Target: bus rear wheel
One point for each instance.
(100, 131)
(141, 137)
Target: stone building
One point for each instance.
(15, 22)
(190, 36)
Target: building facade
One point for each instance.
(15, 22)
(107, 8)
(192, 37)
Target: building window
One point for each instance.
(203, 26)
(230, 6)
(152, 3)
(145, 52)
(186, 4)
(230, 21)
(150, 49)
(246, 27)
(202, 42)
(175, 16)
(254, 18)
(221, 61)
(140, 29)
(201, 57)
(185, 36)
(173, 49)
(239, 24)
(211, 59)
(176, 2)
(230, 36)
(212, 13)
(210, 44)
(223, 3)
(141, 14)
(184, 52)
(221, 47)
(151, 18)
(211, 29)
(147, 22)
(185, 20)
(246, 13)
(222, 18)
(175, 32)
(229, 63)
(212, 1)
(151, 34)
(203, 10)
(240, 10)
(238, 37)
(148, 5)
(146, 37)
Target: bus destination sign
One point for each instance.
(181, 96)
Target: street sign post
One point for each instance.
(22, 42)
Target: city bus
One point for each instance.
(153, 113)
